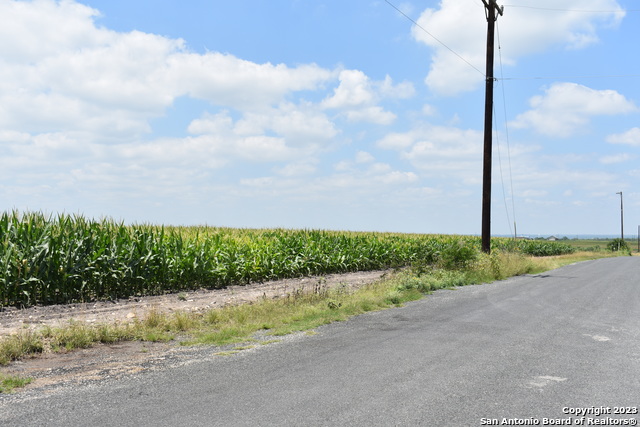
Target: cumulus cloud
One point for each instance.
(566, 107)
(61, 72)
(300, 168)
(375, 114)
(354, 91)
(226, 80)
(402, 90)
(75, 96)
(522, 31)
(364, 157)
(31, 30)
(77, 104)
(397, 140)
(282, 133)
(357, 97)
(440, 151)
(379, 174)
(630, 137)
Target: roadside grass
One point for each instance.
(553, 262)
(298, 311)
(9, 382)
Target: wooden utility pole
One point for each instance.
(491, 8)
(621, 217)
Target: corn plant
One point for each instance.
(68, 258)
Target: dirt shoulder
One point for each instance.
(51, 370)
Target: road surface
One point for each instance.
(559, 347)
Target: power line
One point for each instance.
(617, 76)
(506, 128)
(432, 36)
(504, 193)
(572, 10)
(497, 137)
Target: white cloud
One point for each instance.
(522, 31)
(372, 115)
(300, 168)
(566, 107)
(396, 141)
(364, 157)
(60, 72)
(298, 124)
(354, 91)
(78, 97)
(534, 193)
(402, 90)
(191, 153)
(261, 148)
(36, 29)
(374, 180)
(545, 178)
(343, 166)
(258, 182)
(357, 97)
(397, 177)
(379, 168)
(446, 76)
(226, 80)
(220, 123)
(77, 100)
(440, 152)
(630, 137)
(284, 133)
(616, 158)
(429, 110)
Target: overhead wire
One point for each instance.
(495, 123)
(506, 127)
(570, 10)
(504, 194)
(502, 79)
(525, 77)
(616, 76)
(433, 37)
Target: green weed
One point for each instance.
(16, 346)
(9, 382)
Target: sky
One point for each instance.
(362, 115)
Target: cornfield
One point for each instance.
(68, 258)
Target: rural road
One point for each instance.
(532, 349)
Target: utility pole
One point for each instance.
(491, 7)
(621, 217)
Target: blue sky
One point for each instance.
(321, 114)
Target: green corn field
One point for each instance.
(68, 258)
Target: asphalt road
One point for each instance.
(531, 348)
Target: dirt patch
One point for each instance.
(52, 370)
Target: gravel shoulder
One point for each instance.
(101, 362)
